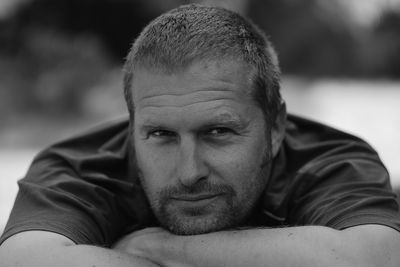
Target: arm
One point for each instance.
(368, 245)
(41, 249)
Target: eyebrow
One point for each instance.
(222, 119)
(228, 119)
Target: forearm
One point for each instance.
(22, 250)
(82, 255)
(76, 256)
(258, 247)
(301, 246)
(263, 247)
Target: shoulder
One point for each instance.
(313, 152)
(100, 153)
(103, 136)
(318, 164)
(310, 145)
(105, 141)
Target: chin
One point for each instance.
(197, 226)
(181, 218)
(199, 223)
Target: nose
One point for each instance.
(191, 165)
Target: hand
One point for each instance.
(154, 244)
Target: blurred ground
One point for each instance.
(368, 109)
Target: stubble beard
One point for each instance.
(221, 214)
(227, 212)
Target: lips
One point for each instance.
(194, 198)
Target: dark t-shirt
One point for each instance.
(85, 189)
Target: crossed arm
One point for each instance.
(368, 245)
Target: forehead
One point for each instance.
(220, 89)
(221, 75)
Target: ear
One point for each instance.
(278, 129)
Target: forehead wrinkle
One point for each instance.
(186, 100)
(207, 90)
(182, 105)
(214, 116)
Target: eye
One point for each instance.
(220, 131)
(160, 134)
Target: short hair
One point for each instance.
(190, 33)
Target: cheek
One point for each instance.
(238, 166)
(243, 174)
(156, 168)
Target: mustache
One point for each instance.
(202, 187)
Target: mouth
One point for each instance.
(195, 198)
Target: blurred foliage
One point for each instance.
(114, 22)
(55, 55)
(320, 38)
(387, 42)
(51, 71)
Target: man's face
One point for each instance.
(201, 146)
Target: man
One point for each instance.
(209, 171)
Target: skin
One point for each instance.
(201, 145)
(359, 246)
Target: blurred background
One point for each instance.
(60, 69)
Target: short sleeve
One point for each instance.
(80, 188)
(347, 191)
(323, 176)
